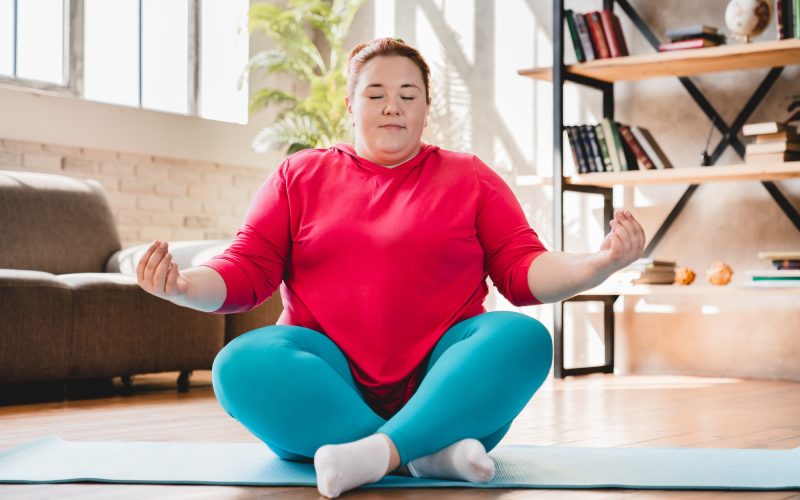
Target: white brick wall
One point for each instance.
(150, 197)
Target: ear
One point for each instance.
(349, 110)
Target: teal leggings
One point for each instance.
(292, 388)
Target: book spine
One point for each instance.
(585, 37)
(623, 46)
(611, 35)
(596, 30)
(598, 159)
(601, 142)
(690, 30)
(649, 140)
(637, 150)
(796, 29)
(573, 32)
(577, 154)
(692, 43)
(623, 159)
(583, 140)
(780, 16)
(630, 157)
(645, 145)
(610, 145)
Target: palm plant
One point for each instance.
(320, 119)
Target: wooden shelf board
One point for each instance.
(693, 289)
(690, 175)
(682, 62)
(683, 175)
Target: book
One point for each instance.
(772, 147)
(611, 145)
(783, 19)
(584, 36)
(691, 43)
(694, 29)
(641, 156)
(630, 156)
(616, 43)
(598, 158)
(780, 255)
(717, 38)
(568, 139)
(760, 158)
(619, 146)
(584, 139)
(651, 147)
(644, 261)
(623, 46)
(771, 284)
(786, 135)
(763, 128)
(573, 32)
(786, 264)
(598, 37)
(773, 273)
(601, 142)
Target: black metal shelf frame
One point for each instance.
(729, 139)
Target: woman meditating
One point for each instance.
(384, 359)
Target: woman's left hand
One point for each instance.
(622, 246)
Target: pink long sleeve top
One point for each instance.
(380, 260)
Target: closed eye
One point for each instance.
(380, 97)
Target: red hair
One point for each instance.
(383, 47)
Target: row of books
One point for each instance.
(785, 271)
(596, 35)
(787, 18)
(646, 271)
(771, 142)
(614, 147)
(692, 37)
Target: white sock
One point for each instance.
(465, 460)
(342, 467)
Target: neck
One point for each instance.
(360, 152)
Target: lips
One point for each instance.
(392, 125)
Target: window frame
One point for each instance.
(73, 58)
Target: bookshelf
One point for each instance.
(682, 62)
(601, 75)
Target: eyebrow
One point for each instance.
(405, 85)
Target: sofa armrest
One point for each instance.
(184, 253)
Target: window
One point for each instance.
(31, 40)
(179, 56)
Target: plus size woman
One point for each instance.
(384, 359)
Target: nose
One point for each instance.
(391, 108)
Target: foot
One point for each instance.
(464, 460)
(342, 467)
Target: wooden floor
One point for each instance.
(595, 410)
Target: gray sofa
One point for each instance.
(70, 307)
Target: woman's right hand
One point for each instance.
(158, 275)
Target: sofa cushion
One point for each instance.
(54, 223)
(36, 312)
(121, 329)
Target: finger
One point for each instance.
(143, 261)
(623, 234)
(172, 279)
(636, 230)
(153, 262)
(160, 276)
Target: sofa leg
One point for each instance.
(127, 385)
(183, 380)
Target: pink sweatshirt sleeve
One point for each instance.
(510, 244)
(253, 265)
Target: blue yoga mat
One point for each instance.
(53, 460)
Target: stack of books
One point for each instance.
(596, 35)
(785, 270)
(692, 37)
(787, 18)
(772, 142)
(646, 271)
(614, 147)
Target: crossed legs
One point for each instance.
(292, 388)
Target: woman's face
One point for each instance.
(388, 110)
